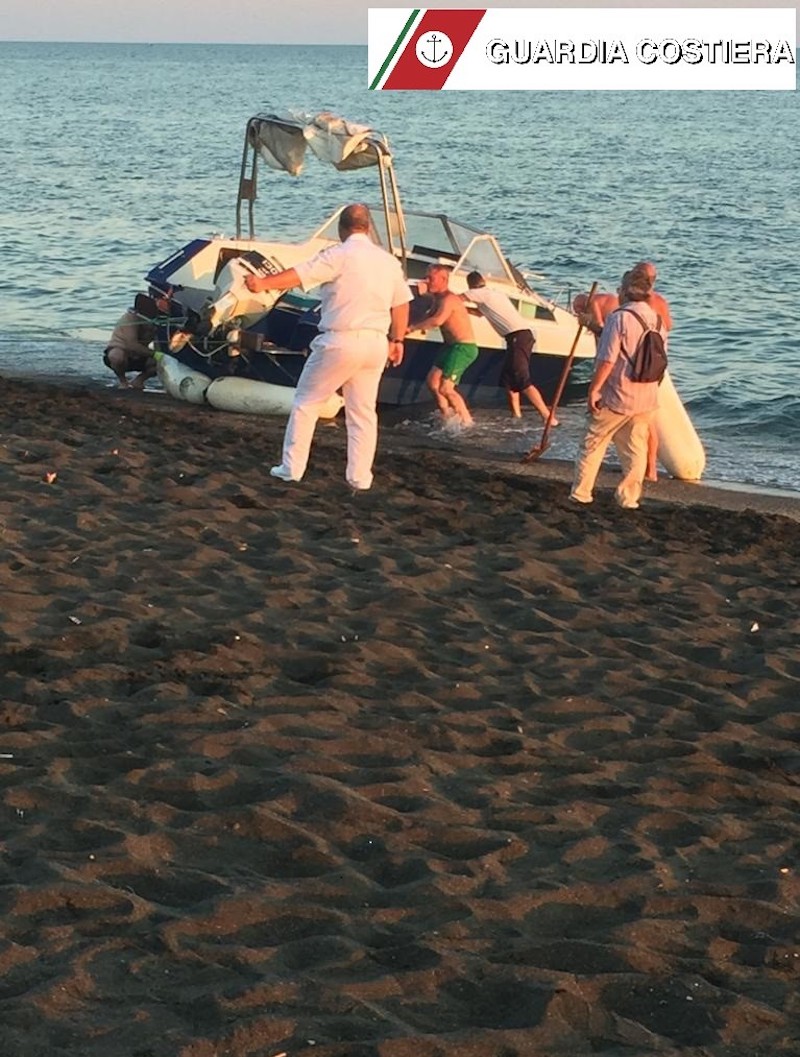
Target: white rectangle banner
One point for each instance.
(562, 49)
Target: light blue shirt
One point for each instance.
(622, 329)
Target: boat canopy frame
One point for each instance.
(281, 140)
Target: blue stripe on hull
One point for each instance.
(399, 386)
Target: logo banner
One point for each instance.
(560, 49)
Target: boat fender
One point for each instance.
(260, 398)
(680, 450)
(180, 381)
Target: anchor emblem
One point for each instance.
(434, 49)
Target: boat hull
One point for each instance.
(277, 335)
(403, 385)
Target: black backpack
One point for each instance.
(649, 359)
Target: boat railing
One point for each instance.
(247, 182)
(373, 150)
(554, 294)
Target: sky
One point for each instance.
(242, 21)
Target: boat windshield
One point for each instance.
(435, 238)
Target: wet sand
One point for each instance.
(447, 768)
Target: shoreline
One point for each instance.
(724, 495)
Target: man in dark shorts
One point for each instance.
(515, 374)
(451, 316)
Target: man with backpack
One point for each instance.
(593, 317)
(623, 392)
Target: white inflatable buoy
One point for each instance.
(680, 451)
(180, 381)
(260, 398)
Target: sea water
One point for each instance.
(113, 156)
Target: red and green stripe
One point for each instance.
(405, 70)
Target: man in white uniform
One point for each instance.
(515, 375)
(364, 301)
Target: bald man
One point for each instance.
(363, 321)
(593, 315)
(459, 350)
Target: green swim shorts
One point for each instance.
(453, 360)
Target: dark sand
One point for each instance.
(448, 769)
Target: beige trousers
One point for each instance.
(629, 433)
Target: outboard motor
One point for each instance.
(231, 299)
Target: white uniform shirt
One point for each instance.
(499, 310)
(359, 284)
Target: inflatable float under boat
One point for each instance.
(243, 395)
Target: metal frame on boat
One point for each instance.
(265, 337)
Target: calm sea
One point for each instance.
(112, 156)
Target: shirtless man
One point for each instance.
(593, 317)
(655, 300)
(128, 347)
(451, 316)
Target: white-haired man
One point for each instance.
(620, 409)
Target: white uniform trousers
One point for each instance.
(629, 433)
(353, 361)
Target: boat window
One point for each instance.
(330, 229)
(462, 235)
(483, 255)
(417, 269)
(425, 235)
(532, 310)
(432, 235)
(433, 254)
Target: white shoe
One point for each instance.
(283, 474)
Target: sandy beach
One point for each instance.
(451, 768)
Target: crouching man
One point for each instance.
(128, 347)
